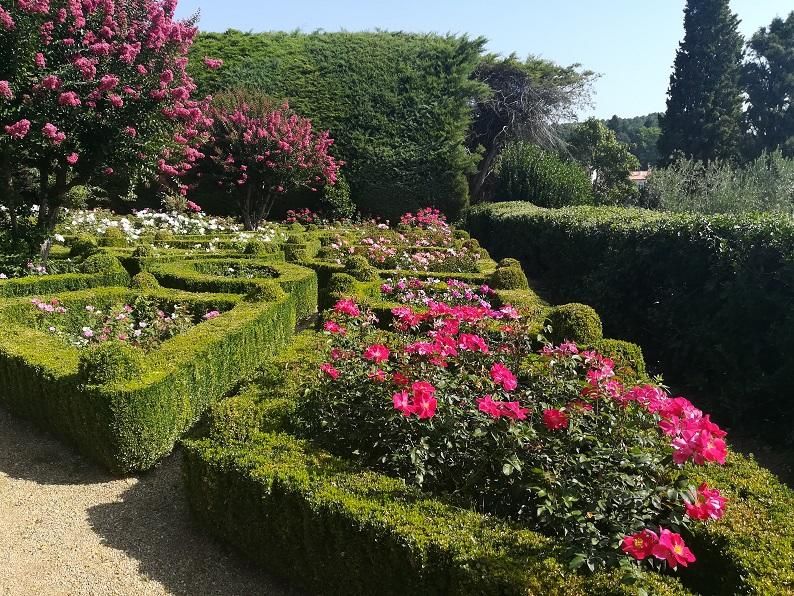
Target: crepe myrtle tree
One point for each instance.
(95, 88)
(261, 151)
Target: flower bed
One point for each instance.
(122, 406)
(322, 522)
(91, 272)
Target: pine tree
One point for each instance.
(704, 102)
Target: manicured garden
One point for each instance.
(368, 404)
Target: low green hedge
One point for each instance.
(130, 425)
(298, 281)
(708, 297)
(107, 272)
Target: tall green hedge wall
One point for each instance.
(397, 104)
(710, 298)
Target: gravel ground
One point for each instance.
(69, 528)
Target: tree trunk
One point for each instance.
(265, 206)
(245, 209)
(486, 167)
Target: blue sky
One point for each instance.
(631, 43)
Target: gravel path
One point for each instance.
(68, 528)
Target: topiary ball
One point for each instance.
(113, 237)
(143, 251)
(508, 262)
(341, 284)
(508, 278)
(255, 246)
(163, 235)
(265, 291)
(144, 281)
(83, 245)
(99, 263)
(575, 322)
(296, 239)
(110, 362)
(359, 267)
(461, 234)
(296, 227)
(234, 420)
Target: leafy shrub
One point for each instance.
(143, 251)
(110, 362)
(575, 322)
(527, 173)
(99, 263)
(83, 245)
(266, 291)
(625, 354)
(336, 202)
(163, 235)
(144, 281)
(764, 184)
(359, 268)
(509, 278)
(113, 237)
(570, 447)
(341, 284)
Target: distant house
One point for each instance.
(639, 178)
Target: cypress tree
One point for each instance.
(704, 102)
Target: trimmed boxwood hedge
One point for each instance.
(298, 281)
(107, 272)
(708, 297)
(130, 425)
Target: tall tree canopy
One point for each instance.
(526, 101)
(641, 134)
(769, 80)
(704, 104)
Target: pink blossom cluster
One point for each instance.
(276, 150)
(666, 546)
(302, 216)
(113, 65)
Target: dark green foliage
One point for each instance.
(397, 104)
(113, 237)
(256, 247)
(144, 281)
(336, 202)
(143, 251)
(509, 262)
(525, 172)
(703, 117)
(769, 81)
(640, 134)
(575, 322)
(708, 297)
(110, 362)
(607, 161)
(341, 285)
(83, 245)
(509, 278)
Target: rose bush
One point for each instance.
(462, 400)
